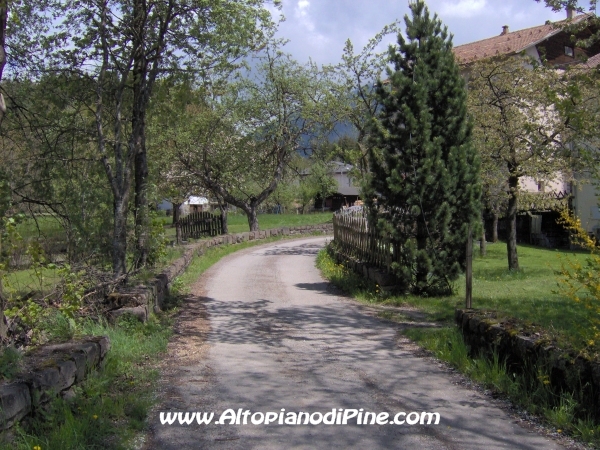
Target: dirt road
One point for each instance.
(263, 332)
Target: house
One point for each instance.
(549, 43)
(347, 194)
(192, 204)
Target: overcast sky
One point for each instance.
(319, 28)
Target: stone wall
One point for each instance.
(144, 299)
(52, 370)
(526, 350)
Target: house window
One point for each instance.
(569, 51)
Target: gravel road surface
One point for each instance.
(262, 331)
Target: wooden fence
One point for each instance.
(200, 224)
(355, 239)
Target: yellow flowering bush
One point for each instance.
(581, 281)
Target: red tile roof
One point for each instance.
(592, 62)
(507, 44)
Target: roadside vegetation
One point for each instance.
(110, 409)
(531, 295)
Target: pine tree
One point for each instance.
(424, 189)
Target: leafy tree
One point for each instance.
(518, 128)
(282, 197)
(121, 48)
(322, 181)
(424, 191)
(240, 145)
(573, 5)
(53, 166)
(358, 102)
(306, 193)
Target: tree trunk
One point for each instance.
(252, 218)
(421, 272)
(469, 269)
(141, 94)
(482, 242)
(224, 207)
(176, 213)
(119, 246)
(495, 227)
(176, 217)
(511, 223)
(3, 23)
(142, 219)
(3, 324)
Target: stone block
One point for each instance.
(596, 374)
(162, 290)
(285, 231)
(44, 383)
(67, 371)
(133, 297)
(15, 403)
(104, 343)
(92, 354)
(69, 394)
(473, 324)
(80, 360)
(139, 312)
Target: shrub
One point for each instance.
(581, 281)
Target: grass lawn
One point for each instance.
(44, 225)
(238, 223)
(110, 410)
(529, 294)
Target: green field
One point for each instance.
(238, 223)
(529, 294)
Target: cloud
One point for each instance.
(302, 14)
(302, 7)
(463, 8)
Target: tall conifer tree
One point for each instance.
(424, 189)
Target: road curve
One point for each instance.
(274, 336)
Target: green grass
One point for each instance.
(43, 225)
(22, 282)
(111, 407)
(528, 389)
(528, 294)
(238, 223)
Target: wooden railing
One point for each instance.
(354, 238)
(200, 224)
